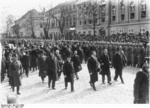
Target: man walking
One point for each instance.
(119, 63)
(15, 69)
(93, 67)
(52, 70)
(69, 73)
(105, 64)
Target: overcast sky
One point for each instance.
(17, 8)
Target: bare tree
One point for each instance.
(60, 19)
(30, 24)
(46, 25)
(16, 29)
(9, 24)
(90, 9)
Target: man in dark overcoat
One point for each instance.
(76, 64)
(119, 63)
(93, 68)
(42, 64)
(68, 71)
(25, 63)
(52, 70)
(105, 66)
(15, 69)
(3, 68)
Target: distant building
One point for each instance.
(113, 16)
(30, 21)
(69, 15)
(117, 16)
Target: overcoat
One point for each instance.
(52, 68)
(68, 71)
(42, 64)
(76, 63)
(105, 64)
(15, 73)
(141, 87)
(93, 69)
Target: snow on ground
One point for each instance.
(33, 91)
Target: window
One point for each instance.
(143, 14)
(143, 10)
(132, 7)
(90, 21)
(122, 17)
(89, 32)
(84, 21)
(113, 18)
(123, 8)
(80, 22)
(132, 15)
(74, 23)
(41, 25)
(113, 10)
(103, 19)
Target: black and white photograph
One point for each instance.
(74, 52)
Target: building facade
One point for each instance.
(112, 17)
(129, 16)
(30, 22)
(117, 16)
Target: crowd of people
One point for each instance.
(53, 59)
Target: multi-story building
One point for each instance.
(65, 14)
(130, 16)
(116, 16)
(30, 22)
(112, 16)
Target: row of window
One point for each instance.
(132, 16)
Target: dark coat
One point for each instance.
(52, 68)
(42, 67)
(141, 88)
(76, 63)
(105, 64)
(93, 69)
(81, 55)
(3, 68)
(15, 72)
(68, 71)
(59, 63)
(118, 61)
(33, 58)
(25, 61)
